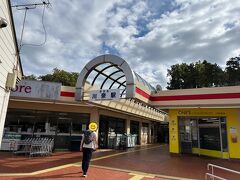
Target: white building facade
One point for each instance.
(10, 65)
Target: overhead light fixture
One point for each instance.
(3, 22)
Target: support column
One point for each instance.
(140, 132)
(149, 133)
(94, 117)
(127, 126)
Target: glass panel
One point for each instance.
(62, 126)
(194, 129)
(134, 127)
(210, 138)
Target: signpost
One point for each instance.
(107, 94)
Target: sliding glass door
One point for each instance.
(208, 133)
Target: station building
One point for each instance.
(202, 121)
(46, 109)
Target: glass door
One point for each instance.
(209, 133)
(185, 135)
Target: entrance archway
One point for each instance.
(118, 65)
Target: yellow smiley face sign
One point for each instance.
(93, 126)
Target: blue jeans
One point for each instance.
(87, 155)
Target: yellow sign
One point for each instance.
(93, 126)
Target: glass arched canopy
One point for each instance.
(108, 76)
(110, 72)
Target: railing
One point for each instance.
(213, 176)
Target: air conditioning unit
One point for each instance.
(11, 80)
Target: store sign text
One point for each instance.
(22, 88)
(37, 89)
(108, 94)
(200, 113)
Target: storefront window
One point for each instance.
(210, 139)
(109, 127)
(134, 127)
(194, 129)
(61, 126)
(206, 133)
(79, 123)
(19, 121)
(209, 133)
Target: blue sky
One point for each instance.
(150, 35)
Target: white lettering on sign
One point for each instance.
(37, 89)
(105, 94)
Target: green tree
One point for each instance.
(209, 74)
(195, 75)
(64, 77)
(232, 71)
(30, 77)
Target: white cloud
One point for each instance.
(150, 36)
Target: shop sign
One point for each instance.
(37, 89)
(200, 113)
(107, 94)
(233, 133)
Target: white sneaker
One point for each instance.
(84, 175)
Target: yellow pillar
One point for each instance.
(173, 132)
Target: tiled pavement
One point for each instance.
(148, 162)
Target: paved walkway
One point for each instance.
(147, 162)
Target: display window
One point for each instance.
(62, 126)
(208, 133)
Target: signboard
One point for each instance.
(108, 94)
(37, 89)
(233, 134)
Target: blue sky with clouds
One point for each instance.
(150, 35)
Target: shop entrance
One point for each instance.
(145, 133)
(203, 135)
(134, 129)
(185, 133)
(109, 127)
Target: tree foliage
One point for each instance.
(30, 77)
(232, 71)
(195, 75)
(61, 76)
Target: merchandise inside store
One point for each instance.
(109, 128)
(64, 127)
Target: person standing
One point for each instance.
(88, 145)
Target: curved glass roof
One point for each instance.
(144, 82)
(110, 76)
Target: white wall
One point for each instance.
(8, 60)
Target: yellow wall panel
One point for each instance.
(233, 129)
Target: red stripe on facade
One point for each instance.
(142, 93)
(188, 97)
(67, 94)
(174, 98)
(196, 97)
